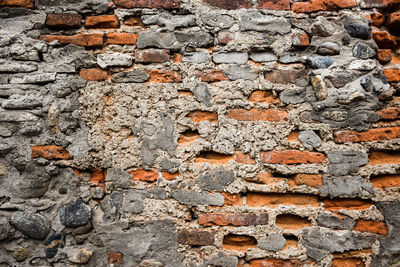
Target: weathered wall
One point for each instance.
(199, 133)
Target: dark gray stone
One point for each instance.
(5, 228)
(173, 41)
(335, 222)
(255, 21)
(273, 242)
(235, 72)
(329, 49)
(345, 186)
(17, 67)
(75, 214)
(32, 225)
(169, 165)
(358, 30)
(391, 212)
(53, 243)
(346, 162)
(320, 62)
(215, 180)
(23, 102)
(309, 139)
(222, 260)
(217, 20)
(294, 96)
(341, 78)
(41, 78)
(192, 198)
(112, 205)
(322, 27)
(34, 181)
(135, 76)
(363, 51)
(202, 94)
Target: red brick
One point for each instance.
(232, 199)
(199, 116)
(346, 204)
(94, 74)
(385, 181)
(384, 55)
(260, 96)
(196, 238)
(89, 40)
(239, 242)
(152, 56)
(170, 176)
(292, 157)
(367, 136)
(165, 4)
(234, 219)
(274, 4)
(102, 22)
(164, 76)
(393, 22)
(243, 158)
(348, 262)
(384, 157)
(17, 3)
(312, 180)
(392, 75)
(392, 113)
(132, 21)
(257, 115)
(292, 222)
(114, 257)
(64, 21)
(371, 227)
(122, 38)
(229, 4)
(301, 40)
(177, 58)
(322, 5)
(50, 152)
(213, 158)
(276, 199)
(285, 76)
(211, 75)
(278, 263)
(98, 177)
(385, 40)
(188, 137)
(144, 175)
(377, 19)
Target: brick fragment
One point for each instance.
(322, 5)
(17, 3)
(285, 76)
(371, 227)
(102, 22)
(114, 257)
(377, 19)
(164, 76)
(393, 22)
(243, 158)
(89, 40)
(164, 4)
(348, 262)
(234, 219)
(312, 180)
(196, 238)
(152, 56)
(276, 199)
(292, 222)
(132, 21)
(233, 199)
(367, 136)
(210, 75)
(274, 4)
(385, 181)
(229, 4)
(278, 263)
(301, 40)
(94, 74)
(292, 157)
(257, 115)
(392, 75)
(385, 40)
(384, 55)
(50, 152)
(239, 242)
(199, 116)
(346, 204)
(64, 21)
(213, 158)
(263, 97)
(122, 38)
(144, 175)
(384, 157)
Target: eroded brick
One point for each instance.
(94, 74)
(64, 21)
(50, 152)
(292, 157)
(234, 219)
(122, 38)
(83, 39)
(275, 199)
(257, 115)
(367, 136)
(371, 227)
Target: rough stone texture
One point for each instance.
(32, 225)
(74, 214)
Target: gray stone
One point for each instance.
(215, 180)
(5, 228)
(217, 20)
(170, 22)
(273, 242)
(363, 51)
(255, 21)
(263, 56)
(358, 30)
(80, 256)
(35, 78)
(341, 78)
(222, 260)
(391, 212)
(175, 40)
(320, 62)
(234, 72)
(74, 214)
(335, 222)
(34, 181)
(148, 128)
(135, 76)
(112, 206)
(118, 177)
(32, 225)
(192, 198)
(17, 67)
(363, 65)
(309, 139)
(322, 27)
(320, 242)
(196, 57)
(114, 60)
(346, 162)
(294, 96)
(202, 94)
(21, 102)
(169, 165)
(151, 263)
(91, 6)
(230, 58)
(319, 85)
(328, 49)
(345, 186)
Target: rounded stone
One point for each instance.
(55, 241)
(358, 30)
(363, 51)
(75, 214)
(329, 48)
(5, 228)
(80, 256)
(320, 62)
(32, 225)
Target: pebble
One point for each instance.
(319, 86)
(55, 241)
(363, 51)
(32, 225)
(80, 256)
(320, 62)
(75, 214)
(309, 139)
(358, 30)
(328, 48)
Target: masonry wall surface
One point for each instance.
(200, 133)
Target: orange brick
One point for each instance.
(292, 157)
(263, 97)
(50, 152)
(170, 176)
(384, 157)
(238, 219)
(199, 116)
(213, 158)
(144, 175)
(89, 40)
(239, 242)
(276, 199)
(277, 263)
(392, 75)
(322, 5)
(17, 3)
(177, 58)
(257, 115)
(377, 19)
(229, 4)
(348, 262)
(367, 136)
(346, 204)
(64, 21)
(232, 199)
(115, 257)
(312, 180)
(94, 74)
(293, 137)
(122, 38)
(98, 177)
(102, 22)
(188, 137)
(385, 181)
(164, 4)
(371, 227)
(393, 22)
(301, 40)
(384, 55)
(243, 158)
(292, 222)
(210, 75)
(164, 76)
(385, 40)
(133, 21)
(274, 5)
